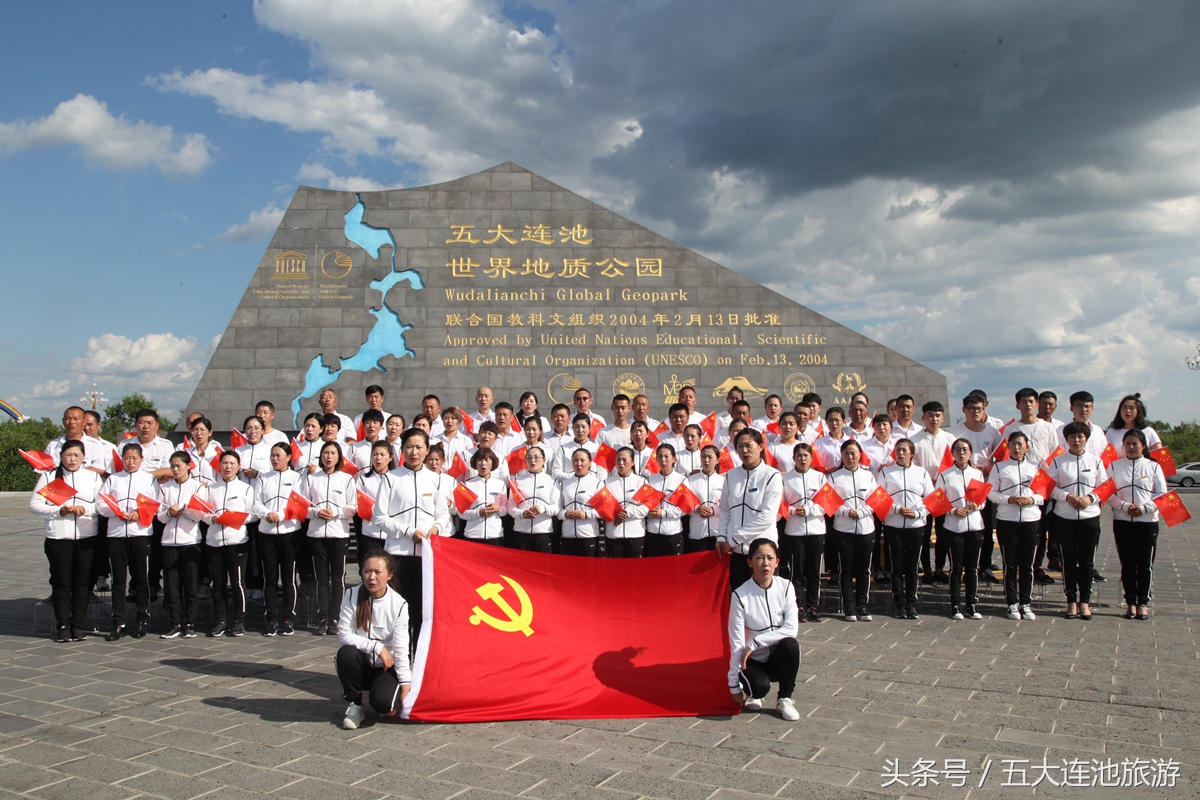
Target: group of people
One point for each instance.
(271, 511)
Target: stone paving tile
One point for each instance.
(170, 785)
(75, 788)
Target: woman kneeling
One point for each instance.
(763, 622)
(373, 631)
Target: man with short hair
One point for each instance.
(687, 396)
(739, 409)
(726, 417)
(96, 456)
(616, 435)
(507, 439)
(483, 401)
(328, 401)
(265, 410)
(678, 417)
(904, 426)
(1047, 405)
(431, 406)
(641, 412)
(583, 405)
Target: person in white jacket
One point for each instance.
(485, 515)
(749, 504)
(128, 541)
(373, 634)
(229, 544)
(855, 523)
(580, 521)
(1076, 516)
(70, 539)
(533, 516)
(705, 522)
(373, 481)
(1018, 517)
(803, 538)
(331, 492)
(277, 537)
(904, 526)
(1139, 481)
(180, 545)
(626, 537)
(664, 526)
(763, 622)
(963, 526)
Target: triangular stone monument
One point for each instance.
(505, 279)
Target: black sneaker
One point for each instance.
(153, 595)
(116, 633)
(237, 629)
(898, 613)
(1040, 577)
(927, 579)
(272, 629)
(77, 634)
(912, 613)
(140, 629)
(332, 628)
(864, 615)
(62, 634)
(218, 629)
(1098, 578)
(987, 577)
(189, 632)
(176, 632)
(286, 628)
(812, 615)
(319, 628)
(942, 578)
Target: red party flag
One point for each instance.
(1109, 455)
(464, 498)
(649, 496)
(977, 492)
(773, 428)
(1172, 509)
(880, 502)
(1042, 484)
(366, 504)
(937, 503)
(606, 457)
(1163, 456)
(496, 611)
(605, 504)
(468, 424)
(297, 507)
(516, 460)
(232, 519)
(458, 467)
(652, 465)
(514, 493)
(725, 461)
(828, 499)
(947, 461)
(57, 491)
(597, 426)
(195, 503)
(236, 439)
(349, 467)
(709, 425)
(769, 458)
(1105, 490)
(39, 460)
(1001, 452)
(684, 499)
(1058, 451)
(297, 453)
(118, 462)
(111, 502)
(147, 507)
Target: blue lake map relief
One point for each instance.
(387, 336)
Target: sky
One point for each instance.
(1007, 192)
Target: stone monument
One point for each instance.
(505, 279)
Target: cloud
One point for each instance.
(109, 141)
(322, 175)
(261, 224)
(48, 389)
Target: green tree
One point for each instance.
(1183, 439)
(33, 434)
(119, 416)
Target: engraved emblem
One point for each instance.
(796, 385)
(741, 382)
(513, 620)
(629, 384)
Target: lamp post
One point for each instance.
(1194, 362)
(95, 398)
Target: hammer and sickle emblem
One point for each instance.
(516, 621)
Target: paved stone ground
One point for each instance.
(251, 717)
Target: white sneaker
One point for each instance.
(1027, 613)
(1014, 612)
(787, 709)
(354, 716)
(851, 617)
(752, 704)
(955, 613)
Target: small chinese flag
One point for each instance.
(297, 507)
(1001, 452)
(652, 465)
(147, 507)
(606, 457)
(773, 428)
(349, 467)
(57, 491)
(977, 492)
(236, 439)
(605, 504)
(784, 508)
(1042, 484)
(879, 501)
(769, 458)
(725, 462)
(828, 499)
(597, 426)
(1004, 427)
(514, 493)
(649, 496)
(111, 502)
(196, 503)
(187, 443)
(39, 460)
(864, 459)
(468, 424)
(297, 453)
(458, 467)
(215, 463)
(709, 425)
(118, 462)
(464, 498)
(1172, 509)
(1058, 451)
(359, 434)
(662, 428)
(128, 435)
(937, 503)
(366, 505)
(817, 462)
(820, 428)
(516, 460)
(191, 463)
(1163, 456)
(1109, 455)
(684, 499)
(232, 519)
(1105, 490)
(947, 461)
